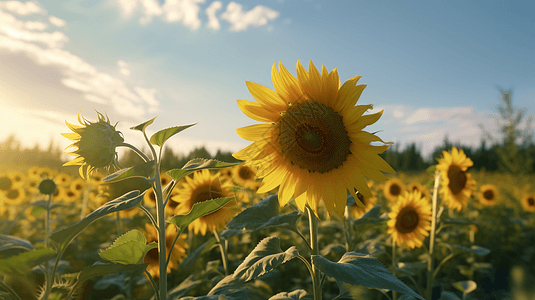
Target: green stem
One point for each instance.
(160, 218)
(136, 150)
(313, 224)
(430, 262)
(150, 216)
(394, 266)
(9, 290)
(223, 251)
(172, 247)
(49, 278)
(118, 223)
(153, 284)
(347, 229)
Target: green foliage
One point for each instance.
(196, 165)
(266, 256)
(8, 242)
(65, 236)
(23, 262)
(295, 295)
(163, 135)
(146, 169)
(358, 269)
(143, 126)
(130, 248)
(101, 269)
(198, 210)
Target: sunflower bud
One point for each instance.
(47, 187)
(96, 142)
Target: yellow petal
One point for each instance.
(266, 97)
(255, 132)
(256, 112)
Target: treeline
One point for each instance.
(14, 157)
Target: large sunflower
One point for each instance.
(457, 184)
(528, 202)
(488, 194)
(410, 220)
(202, 187)
(311, 144)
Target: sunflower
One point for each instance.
(71, 195)
(244, 176)
(177, 254)
(96, 143)
(14, 196)
(63, 179)
(5, 183)
(393, 188)
(18, 178)
(311, 144)
(488, 194)
(205, 186)
(416, 186)
(528, 202)
(369, 202)
(78, 185)
(410, 220)
(457, 184)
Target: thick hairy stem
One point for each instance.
(313, 224)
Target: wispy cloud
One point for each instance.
(187, 12)
(240, 20)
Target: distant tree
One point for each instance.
(199, 152)
(514, 142)
(225, 156)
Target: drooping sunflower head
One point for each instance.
(410, 220)
(201, 187)
(528, 202)
(96, 143)
(369, 202)
(457, 184)
(393, 188)
(488, 194)
(311, 143)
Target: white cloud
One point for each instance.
(56, 21)
(18, 30)
(186, 11)
(213, 22)
(240, 20)
(438, 114)
(22, 8)
(123, 68)
(35, 25)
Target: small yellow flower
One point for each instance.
(14, 196)
(393, 188)
(488, 194)
(410, 220)
(96, 142)
(311, 142)
(18, 178)
(63, 179)
(528, 202)
(177, 255)
(244, 176)
(416, 186)
(201, 187)
(78, 185)
(457, 184)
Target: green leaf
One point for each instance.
(233, 288)
(262, 215)
(466, 287)
(265, 257)
(295, 295)
(100, 269)
(431, 169)
(184, 287)
(198, 210)
(447, 295)
(373, 216)
(359, 269)
(196, 165)
(13, 242)
(143, 126)
(163, 135)
(22, 263)
(473, 249)
(129, 248)
(64, 236)
(194, 255)
(146, 169)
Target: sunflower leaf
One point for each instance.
(23, 262)
(265, 257)
(13, 242)
(198, 164)
(373, 216)
(143, 126)
(232, 288)
(101, 269)
(129, 200)
(163, 135)
(465, 287)
(198, 210)
(194, 255)
(146, 169)
(359, 269)
(295, 295)
(128, 249)
(262, 215)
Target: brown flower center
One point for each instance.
(407, 220)
(457, 179)
(5, 183)
(531, 201)
(12, 194)
(206, 192)
(313, 137)
(488, 194)
(395, 189)
(245, 173)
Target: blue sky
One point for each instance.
(435, 67)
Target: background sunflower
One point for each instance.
(488, 194)
(393, 188)
(410, 220)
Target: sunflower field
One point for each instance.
(313, 208)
